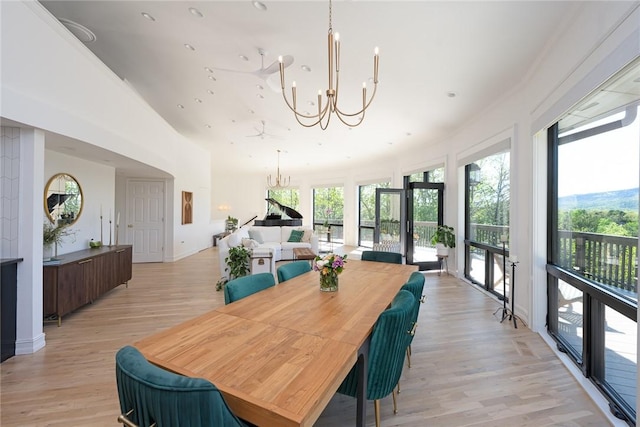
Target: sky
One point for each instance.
(606, 162)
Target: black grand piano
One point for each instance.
(284, 216)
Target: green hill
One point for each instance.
(623, 200)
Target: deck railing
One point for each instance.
(610, 260)
(606, 259)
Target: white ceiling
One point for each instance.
(478, 50)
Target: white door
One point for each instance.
(145, 219)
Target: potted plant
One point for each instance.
(231, 223)
(237, 265)
(444, 238)
(52, 235)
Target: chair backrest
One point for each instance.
(154, 395)
(389, 341)
(415, 285)
(292, 269)
(380, 256)
(247, 285)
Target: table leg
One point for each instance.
(361, 392)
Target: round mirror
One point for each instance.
(63, 199)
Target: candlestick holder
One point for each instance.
(101, 239)
(109, 233)
(117, 233)
(504, 308)
(512, 313)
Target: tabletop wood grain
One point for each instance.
(278, 356)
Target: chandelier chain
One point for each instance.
(330, 25)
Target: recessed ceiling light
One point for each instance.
(259, 5)
(181, 106)
(209, 91)
(196, 12)
(305, 68)
(311, 103)
(188, 46)
(212, 78)
(208, 126)
(149, 17)
(252, 112)
(81, 32)
(259, 86)
(243, 57)
(408, 134)
(198, 100)
(259, 95)
(451, 94)
(208, 69)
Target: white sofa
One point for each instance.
(262, 238)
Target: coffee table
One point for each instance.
(303, 254)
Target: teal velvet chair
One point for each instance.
(150, 395)
(389, 340)
(247, 285)
(380, 256)
(292, 269)
(415, 285)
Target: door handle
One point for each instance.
(129, 225)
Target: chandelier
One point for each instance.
(331, 104)
(280, 182)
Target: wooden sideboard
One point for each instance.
(81, 277)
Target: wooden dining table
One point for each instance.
(278, 356)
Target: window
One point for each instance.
(367, 209)
(487, 186)
(432, 175)
(592, 273)
(286, 196)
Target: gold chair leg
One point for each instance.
(123, 419)
(376, 406)
(395, 406)
(409, 356)
(398, 387)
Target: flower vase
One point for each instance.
(329, 281)
(47, 252)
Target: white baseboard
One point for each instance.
(30, 346)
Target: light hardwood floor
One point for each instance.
(468, 369)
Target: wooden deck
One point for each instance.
(468, 369)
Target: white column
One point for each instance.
(29, 334)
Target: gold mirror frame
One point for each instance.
(63, 199)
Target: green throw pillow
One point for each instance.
(296, 235)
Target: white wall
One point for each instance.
(98, 189)
(41, 88)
